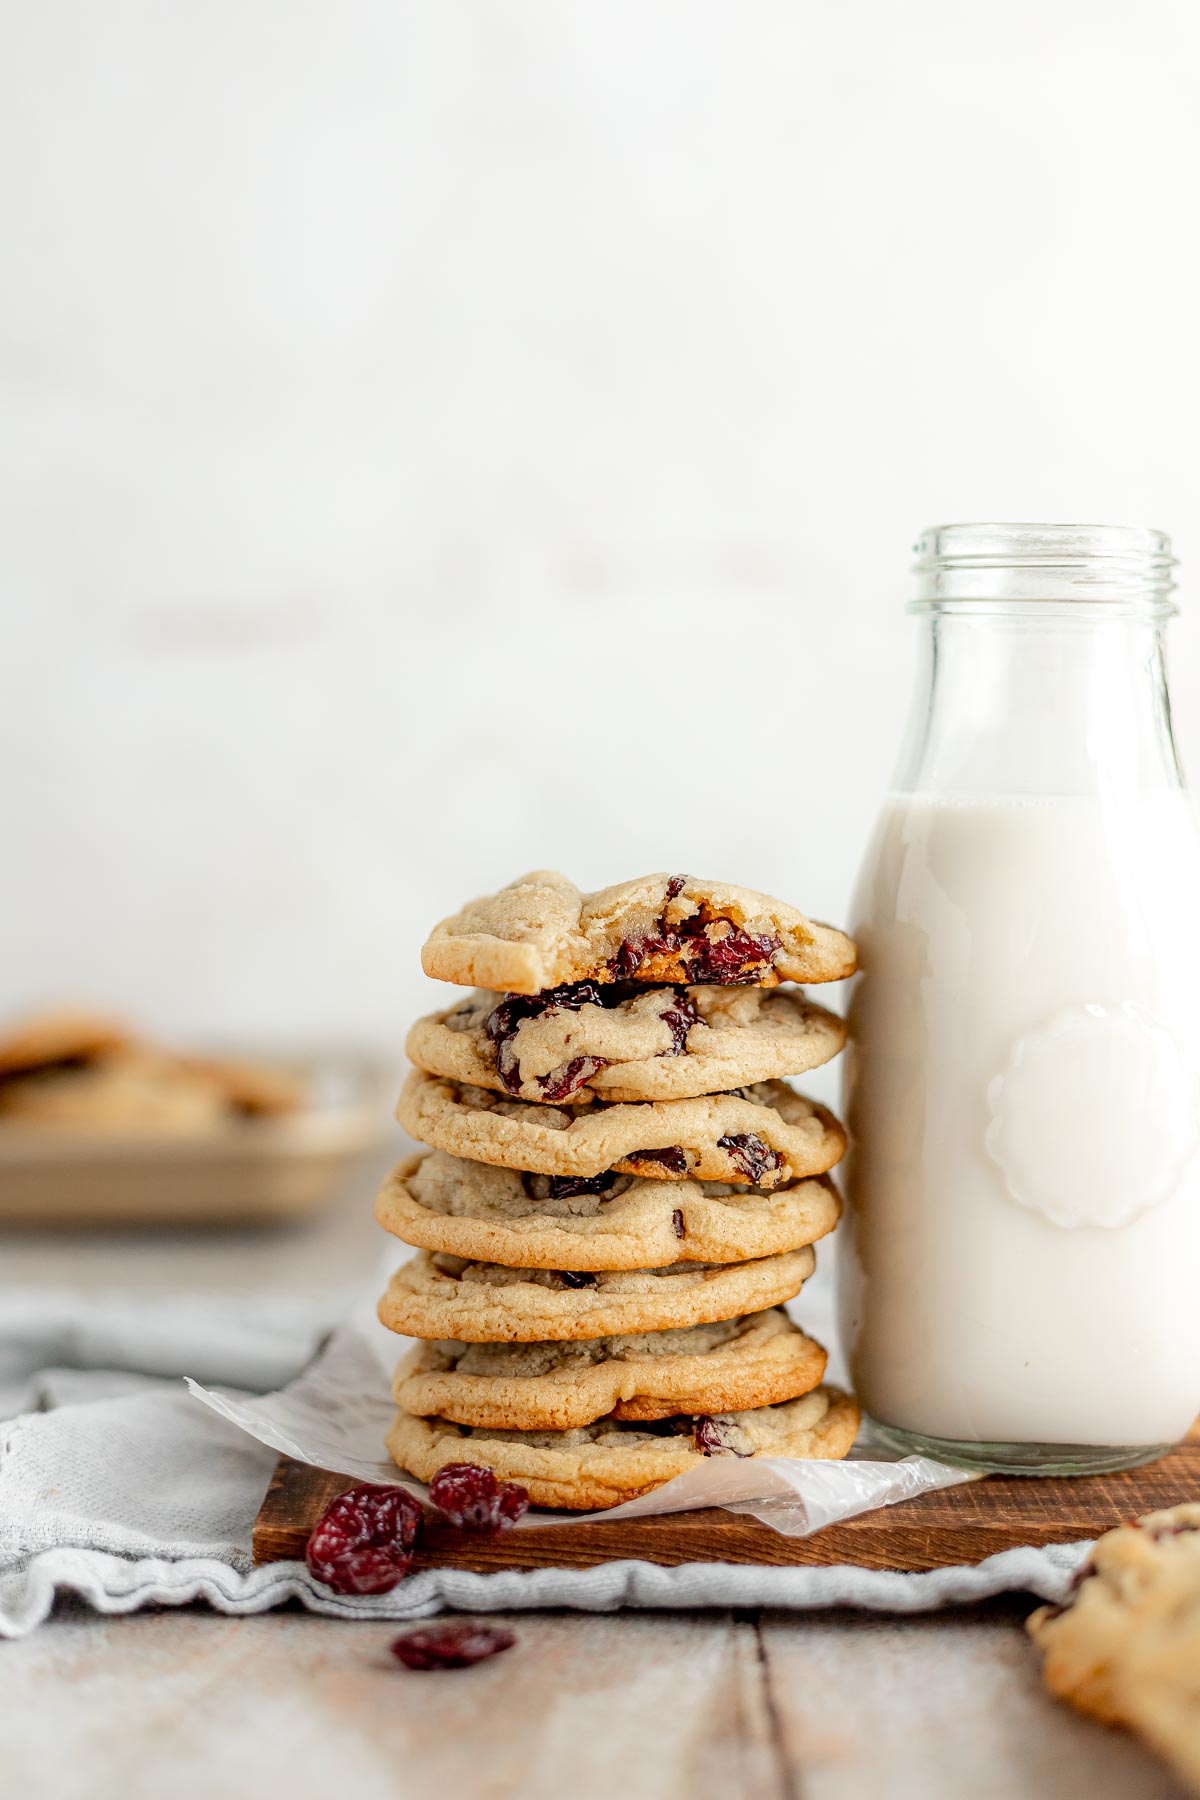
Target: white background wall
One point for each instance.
(438, 440)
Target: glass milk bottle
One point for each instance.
(1018, 1263)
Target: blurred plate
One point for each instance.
(249, 1171)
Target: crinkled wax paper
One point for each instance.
(336, 1415)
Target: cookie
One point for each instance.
(765, 1134)
(49, 1038)
(725, 1367)
(619, 1042)
(441, 1202)
(135, 1092)
(254, 1090)
(1159, 1681)
(439, 1296)
(612, 1460)
(541, 932)
(1130, 1575)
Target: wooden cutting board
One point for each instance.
(958, 1525)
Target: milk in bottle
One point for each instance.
(1023, 1186)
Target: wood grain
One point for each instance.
(943, 1704)
(959, 1525)
(587, 1706)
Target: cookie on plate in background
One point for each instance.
(75, 1071)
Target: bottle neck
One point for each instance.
(1037, 702)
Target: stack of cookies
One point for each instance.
(621, 1193)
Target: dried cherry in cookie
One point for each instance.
(712, 949)
(674, 1425)
(505, 1020)
(679, 1018)
(750, 1155)
(673, 1159)
(719, 1437)
(566, 1187)
(678, 1012)
(633, 951)
(563, 1082)
(363, 1541)
(726, 959)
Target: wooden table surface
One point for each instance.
(831, 1706)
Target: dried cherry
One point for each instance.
(672, 1158)
(363, 1541)
(504, 1021)
(747, 1152)
(471, 1498)
(713, 1439)
(454, 1645)
(679, 1017)
(565, 1187)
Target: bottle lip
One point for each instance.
(1123, 568)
